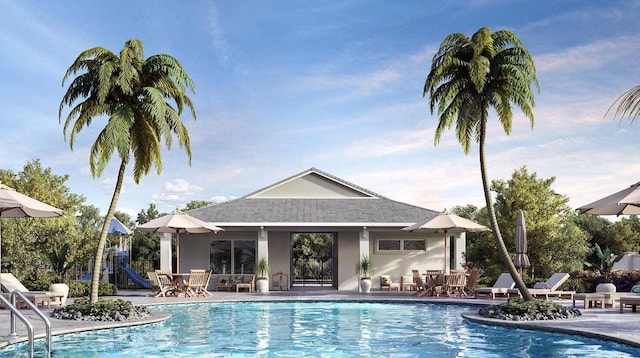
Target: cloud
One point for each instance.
(181, 186)
(219, 42)
(588, 56)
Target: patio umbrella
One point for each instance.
(522, 259)
(178, 223)
(624, 202)
(447, 224)
(16, 205)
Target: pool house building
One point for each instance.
(313, 228)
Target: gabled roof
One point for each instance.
(313, 198)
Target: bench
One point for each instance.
(589, 299)
(632, 301)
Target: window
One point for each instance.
(402, 245)
(237, 254)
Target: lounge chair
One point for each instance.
(500, 287)
(547, 288)
(39, 298)
(386, 283)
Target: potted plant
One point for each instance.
(603, 264)
(364, 271)
(58, 260)
(262, 280)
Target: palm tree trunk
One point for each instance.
(502, 249)
(97, 265)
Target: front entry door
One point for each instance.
(312, 259)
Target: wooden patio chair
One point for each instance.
(165, 284)
(198, 282)
(474, 275)
(435, 282)
(155, 286)
(455, 283)
(421, 286)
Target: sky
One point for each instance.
(284, 86)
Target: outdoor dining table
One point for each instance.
(178, 285)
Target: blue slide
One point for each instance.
(136, 278)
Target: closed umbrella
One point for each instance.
(16, 205)
(178, 223)
(447, 224)
(522, 259)
(623, 202)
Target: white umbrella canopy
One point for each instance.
(623, 202)
(447, 224)
(521, 259)
(16, 205)
(178, 223)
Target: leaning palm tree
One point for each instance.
(467, 77)
(628, 105)
(129, 92)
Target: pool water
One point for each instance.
(320, 329)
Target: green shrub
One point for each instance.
(83, 289)
(101, 307)
(518, 306)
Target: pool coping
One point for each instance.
(604, 324)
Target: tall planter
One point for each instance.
(607, 287)
(365, 285)
(363, 269)
(61, 288)
(262, 281)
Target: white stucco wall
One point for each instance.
(280, 253)
(348, 256)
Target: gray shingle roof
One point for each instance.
(312, 211)
(371, 210)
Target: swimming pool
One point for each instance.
(331, 329)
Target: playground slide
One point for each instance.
(85, 277)
(136, 278)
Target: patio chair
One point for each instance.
(547, 288)
(386, 283)
(474, 274)
(435, 282)
(500, 287)
(406, 283)
(39, 298)
(153, 279)
(455, 283)
(198, 282)
(165, 284)
(421, 286)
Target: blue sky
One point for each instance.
(283, 86)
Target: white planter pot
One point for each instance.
(606, 287)
(365, 285)
(262, 286)
(60, 288)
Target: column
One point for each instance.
(165, 252)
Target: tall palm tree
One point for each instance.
(129, 92)
(628, 105)
(467, 77)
